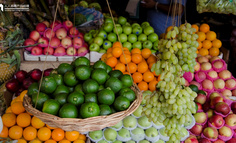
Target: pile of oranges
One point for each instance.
(208, 42)
(136, 62)
(22, 126)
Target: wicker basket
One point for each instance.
(88, 124)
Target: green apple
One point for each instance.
(147, 44)
(155, 45)
(112, 37)
(108, 27)
(127, 30)
(95, 33)
(142, 37)
(137, 134)
(118, 125)
(124, 133)
(118, 28)
(87, 37)
(138, 111)
(102, 141)
(102, 51)
(127, 24)
(129, 122)
(116, 141)
(92, 31)
(144, 122)
(102, 34)
(108, 20)
(96, 135)
(160, 141)
(106, 44)
(90, 41)
(137, 30)
(130, 141)
(151, 132)
(145, 24)
(110, 134)
(122, 20)
(144, 141)
(123, 37)
(135, 24)
(153, 51)
(137, 44)
(145, 93)
(127, 45)
(94, 47)
(98, 40)
(153, 37)
(132, 38)
(148, 30)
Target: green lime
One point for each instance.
(99, 75)
(40, 98)
(81, 61)
(68, 110)
(89, 109)
(106, 96)
(194, 88)
(75, 98)
(58, 78)
(115, 73)
(90, 97)
(82, 72)
(126, 80)
(51, 106)
(48, 85)
(201, 92)
(33, 88)
(100, 64)
(105, 110)
(108, 69)
(100, 87)
(54, 71)
(90, 86)
(61, 98)
(70, 79)
(71, 89)
(114, 83)
(61, 89)
(79, 88)
(64, 67)
(128, 93)
(121, 103)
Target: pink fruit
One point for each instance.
(81, 35)
(41, 27)
(207, 84)
(188, 76)
(222, 108)
(48, 51)
(55, 42)
(20, 75)
(66, 42)
(206, 66)
(216, 120)
(226, 93)
(197, 67)
(219, 141)
(37, 51)
(71, 51)
(196, 129)
(225, 131)
(201, 75)
(230, 83)
(60, 51)
(230, 120)
(216, 100)
(219, 84)
(200, 98)
(82, 51)
(191, 139)
(54, 24)
(67, 24)
(218, 64)
(73, 31)
(34, 35)
(210, 132)
(28, 42)
(12, 85)
(61, 33)
(202, 59)
(200, 117)
(199, 106)
(77, 42)
(225, 74)
(49, 33)
(212, 74)
(43, 42)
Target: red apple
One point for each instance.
(82, 51)
(201, 98)
(20, 75)
(196, 129)
(210, 132)
(81, 35)
(12, 85)
(233, 140)
(37, 51)
(225, 131)
(67, 24)
(218, 64)
(27, 82)
(230, 83)
(233, 107)
(202, 59)
(34, 35)
(55, 42)
(47, 72)
(204, 140)
(216, 100)
(49, 33)
(61, 33)
(66, 42)
(77, 42)
(46, 23)
(218, 141)
(219, 83)
(36, 74)
(222, 108)
(206, 106)
(73, 31)
(225, 74)
(216, 120)
(54, 24)
(41, 27)
(199, 106)
(197, 67)
(28, 42)
(60, 51)
(206, 66)
(71, 51)
(43, 42)
(230, 120)
(207, 84)
(48, 51)
(210, 113)
(200, 117)
(191, 139)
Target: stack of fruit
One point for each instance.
(208, 42)
(137, 62)
(56, 39)
(22, 126)
(79, 90)
(131, 36)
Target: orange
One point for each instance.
(15, 100)
(146, 53)
(104, 57)
(50, 141)
(112, 61)
(201, 36)
(148, 76)
(22, 94)
(127, 52)
(216, 43)
(152, 85)
(50, 127)
(125, 59)
(37, 123)
(203, 52)
(109, 55)
(15, 132)
(137, 77)
(44, 133)
(82, 137)
(72, 135)
(17, 107)
(206, 44)
(79, 141)
(151, 59)
(117, 44)
(195, 27)
(8, 110)
(142, 67)
(197, 51)
(136, 51)
(4, 133)
(125, 49)
(120, 66)
(64, 141)
(58, 134)
(199, 45)
(23, 119)
(211, 35)
(36, 141)
(109, 50)
(136, 58)
(9, 119)
(21, 141)
(169, 28)
(143, 86)
(132, 67)
(204, 28)
(116, 52)
(29, 133)
(214, 52)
